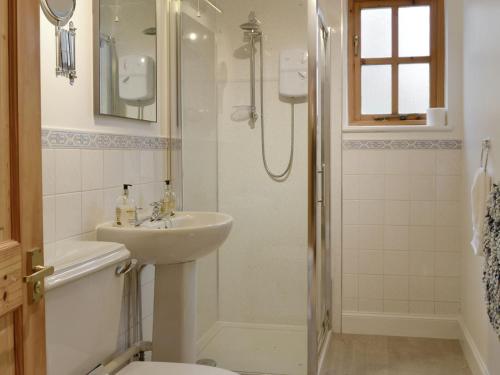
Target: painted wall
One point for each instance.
(65, 106)
(481, 120)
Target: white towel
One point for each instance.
(481, 188)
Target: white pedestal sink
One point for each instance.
(189, 236)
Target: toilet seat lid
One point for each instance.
(167, 368)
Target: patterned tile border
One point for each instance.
(56, 138)
(403, 144)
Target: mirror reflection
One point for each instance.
(127, 59)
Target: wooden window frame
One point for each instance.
(436, 61)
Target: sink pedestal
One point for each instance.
(174, 319)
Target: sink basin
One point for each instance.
(188, 236)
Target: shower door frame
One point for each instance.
(317, 341)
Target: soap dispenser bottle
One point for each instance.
(168, 201)
(126, 210)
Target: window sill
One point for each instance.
(395, 128)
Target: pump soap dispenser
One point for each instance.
(126, 210)
(168, 201)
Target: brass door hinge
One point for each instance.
(35, 280)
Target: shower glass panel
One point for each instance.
(242, 114)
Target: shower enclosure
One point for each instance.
(251, 113)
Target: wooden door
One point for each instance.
(22, 321)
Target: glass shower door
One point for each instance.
(252, 293)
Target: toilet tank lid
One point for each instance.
(73, 260)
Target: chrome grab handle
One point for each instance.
(126, 268)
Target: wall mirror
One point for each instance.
(125, 59)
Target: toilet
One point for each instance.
(85, 315)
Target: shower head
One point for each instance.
(253, 24)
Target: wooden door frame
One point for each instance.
(26, 176)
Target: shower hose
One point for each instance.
(283, 175)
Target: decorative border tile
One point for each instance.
(403, 144)
(55, 138)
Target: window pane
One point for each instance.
(414, 31)
(376, 33)
(376, 81)
(413, 88)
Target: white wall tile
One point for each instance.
(370, 262)
(449, 162)
(160, 162)
(131, 167)
(396, 287)
(423, 162)
(350, 212)
(371, 212)
(92, 209)
(113, 168)
(350, 187)
(350, 262)
(370, 286)
(371, 162)
(422, 238)
(447, 289)
(147, 166)
(68, 215)
(397, 212)
(48, 172)
(92, 169)
(396, 263)
(448, 213)
(109, 203)
(370, 305)
(397, 162)
(49, 219)
(349, 286)
(371, 187)
(148, 274)
(349, 304)
(423, 188)
(447, 264)
(421, 263)
(447, 308)
(396, 307)
(422, 307)
(68, 171)
(448, 188)
(371, 237)
(350, 237)
(397, 187)
(448, 239)
(421, 288)
(396, 237)
(422, 213)
(350, 162)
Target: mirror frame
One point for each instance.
(55, 20)
(96, 31)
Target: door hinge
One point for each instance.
(356, 45)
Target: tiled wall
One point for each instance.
(401, 236)
(82, 177)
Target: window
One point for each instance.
(396, 60)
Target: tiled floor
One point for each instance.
(382, 355)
